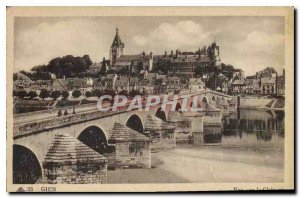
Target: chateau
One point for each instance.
(180, 63)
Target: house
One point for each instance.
(174, 84)
(131, 148)
(256, 86)
(239, 86)
(281, 85)
(146, 86)
(109, 81)
(99, 83)
(268, 85)
(196, 84)
(249, 85)
(133, 83)
(39, 85)
(76, 83)
(224, 86)
(22, 85)
(121, 83)
(60, 85)
(85, 88)
(159, 86)
(21, 82)
(95, 68)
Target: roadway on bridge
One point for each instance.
(52, 114)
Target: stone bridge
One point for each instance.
(92, 128)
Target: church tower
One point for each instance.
(117, 48)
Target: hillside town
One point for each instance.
(57, 105)
(145, 73)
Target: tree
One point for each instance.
(14, 93)
(123, 92)
(97, 92)
(65, 94)
(32, 94)
(44, 93)
(109, 92)
(133, 93)
(22, 94)
(103, 67)
(55, 94)
(88, 94)
(76, 93)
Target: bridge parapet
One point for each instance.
(29, 128)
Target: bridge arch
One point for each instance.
(178, 108)
(95, 138)
(135, 122)
(26, 166)
(161, 114)
(205, 99)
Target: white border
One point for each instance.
(5, 3)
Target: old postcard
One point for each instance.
(150, 99)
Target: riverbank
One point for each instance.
(204, 164)
(262, 103)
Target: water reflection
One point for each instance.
(248, 126)
(262, 123)
(212, 134)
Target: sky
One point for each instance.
(249, 43)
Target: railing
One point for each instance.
(25, 129)
(53, 122)
(53, 110)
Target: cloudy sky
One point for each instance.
(249, 43)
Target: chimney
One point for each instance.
(151, 55)
(166, 53)
(177, 53)
(172, 53)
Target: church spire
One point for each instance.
(117, 42)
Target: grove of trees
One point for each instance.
(76, 93)
(66, 66)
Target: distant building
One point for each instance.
(160, 86)
(238, 86)
(109, 81)
(174, 84)
(268, 72)
(249, 86)
(134, 62)
(281, 85)
(60, 85)
(121, 83)
(225, 86)
(77, 83)
(133, 83)
(256, 86)
(268, 85)
(39, 85)
(95, 68)
(196, 84)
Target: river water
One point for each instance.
(257, 128)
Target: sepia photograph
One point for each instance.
(131, 99)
